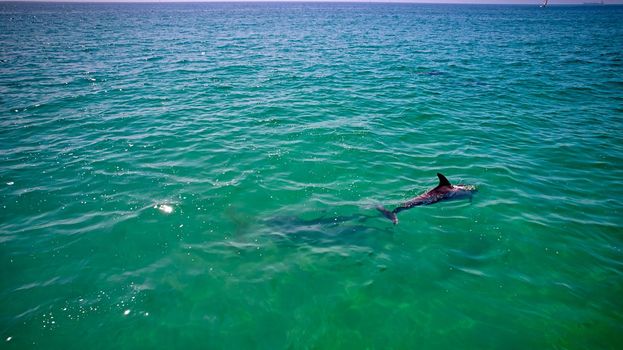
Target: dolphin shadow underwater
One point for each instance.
(444, 191)
(325, 230)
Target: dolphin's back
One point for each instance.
(444, 190)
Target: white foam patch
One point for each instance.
(472, 271)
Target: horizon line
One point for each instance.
(425, 2)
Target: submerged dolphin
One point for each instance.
(443, 191)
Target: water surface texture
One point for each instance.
(204, 176)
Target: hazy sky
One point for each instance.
(527, 2)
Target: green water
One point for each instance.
(272, 131)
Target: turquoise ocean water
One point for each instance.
(270, 132)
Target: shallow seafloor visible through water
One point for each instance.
(205, 176)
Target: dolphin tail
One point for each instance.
(388, 214)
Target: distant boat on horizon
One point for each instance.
(544, 3)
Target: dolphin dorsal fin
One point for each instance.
(443, 181)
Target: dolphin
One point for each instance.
(443, 191)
